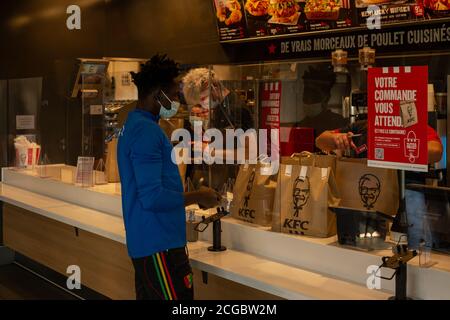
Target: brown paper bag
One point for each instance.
(367, 188)
(253, 196)
(306, 159)
(276, 212)
(311, 159)
(305, 193)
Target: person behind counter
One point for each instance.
(318, 83)
(216, 107)
(344, 140)
(152, 192)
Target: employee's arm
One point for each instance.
(434, 151)
(330, 140)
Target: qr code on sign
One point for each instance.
(379, 154)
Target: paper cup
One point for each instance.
(33, 156)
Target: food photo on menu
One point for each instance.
(257, 12)
(230, 19)
(436, 8)
(328, 14)
(257, 8)
(323, 9)
(284, 12)
(275, 17)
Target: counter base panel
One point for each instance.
(104, 263)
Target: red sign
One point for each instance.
(270, 107)
(398, 118)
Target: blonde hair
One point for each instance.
(196, 82)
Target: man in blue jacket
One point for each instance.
(153, 200)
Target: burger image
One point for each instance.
(257, 8)
(284, 11)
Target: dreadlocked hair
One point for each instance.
(158, 72)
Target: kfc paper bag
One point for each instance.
(365, 188)
(305, 194)
(253, 196)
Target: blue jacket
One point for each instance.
(152, 191)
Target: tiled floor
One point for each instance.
(19, 284)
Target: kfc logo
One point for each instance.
(249, 188)
(369, 190)
(245, 212)
(300, 194)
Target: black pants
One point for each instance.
(164, 276)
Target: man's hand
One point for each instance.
(343, 141)
(330, 141)
(205, 197)
(208, 198)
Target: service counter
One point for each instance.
(58, 224)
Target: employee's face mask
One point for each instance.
(199, 114)
(313, 107)
(207, 103)
(199, 120)
(168, 113)
(313, 110)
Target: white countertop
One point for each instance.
(100, 223)
(260, 273)
(277, 279)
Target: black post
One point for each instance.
(217, 237)
(400, 223)
(400, 282)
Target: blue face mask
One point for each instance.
(168, 113)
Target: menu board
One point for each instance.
(239, 19)
(398, 118)
(250, 19)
